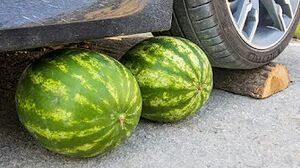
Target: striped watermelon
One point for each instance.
(78, 102)
(174, 75)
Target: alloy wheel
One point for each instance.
(262, 23)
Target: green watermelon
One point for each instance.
(174, 75)
(78, 102)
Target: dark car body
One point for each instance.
(36, 23)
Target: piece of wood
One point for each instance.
(258, 83)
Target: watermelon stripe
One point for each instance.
(185, 53)
(178, 113)
(87, 64)
(124, 86)
(150, 78)
(37, 114)
(166, 62)
(157, 72)
(49, 85)
(200, 52)
(158, 93)
(95, 108)
(134, 113)
(84, 101)
(167, 109)
(143, 53)
(167, 100)
(85, 147)
(60, 65)
(77, 141)
(78, 98)
(171, 60)
(193, 59)
(98, 149)
(59, 135)
(205, 64)
(57, 115)
(84, 82)
(125, 75)
(96, 74)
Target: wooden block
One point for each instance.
(258, 83)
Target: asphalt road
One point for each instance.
(230, 131)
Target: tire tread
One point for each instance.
(204, 30)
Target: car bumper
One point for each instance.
(36, 23)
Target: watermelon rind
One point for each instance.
(78, 103)
(174, 75)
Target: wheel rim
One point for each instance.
(262, 23)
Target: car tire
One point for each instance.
(208, 23)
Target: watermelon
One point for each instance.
(174, 75)
(78, 103)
